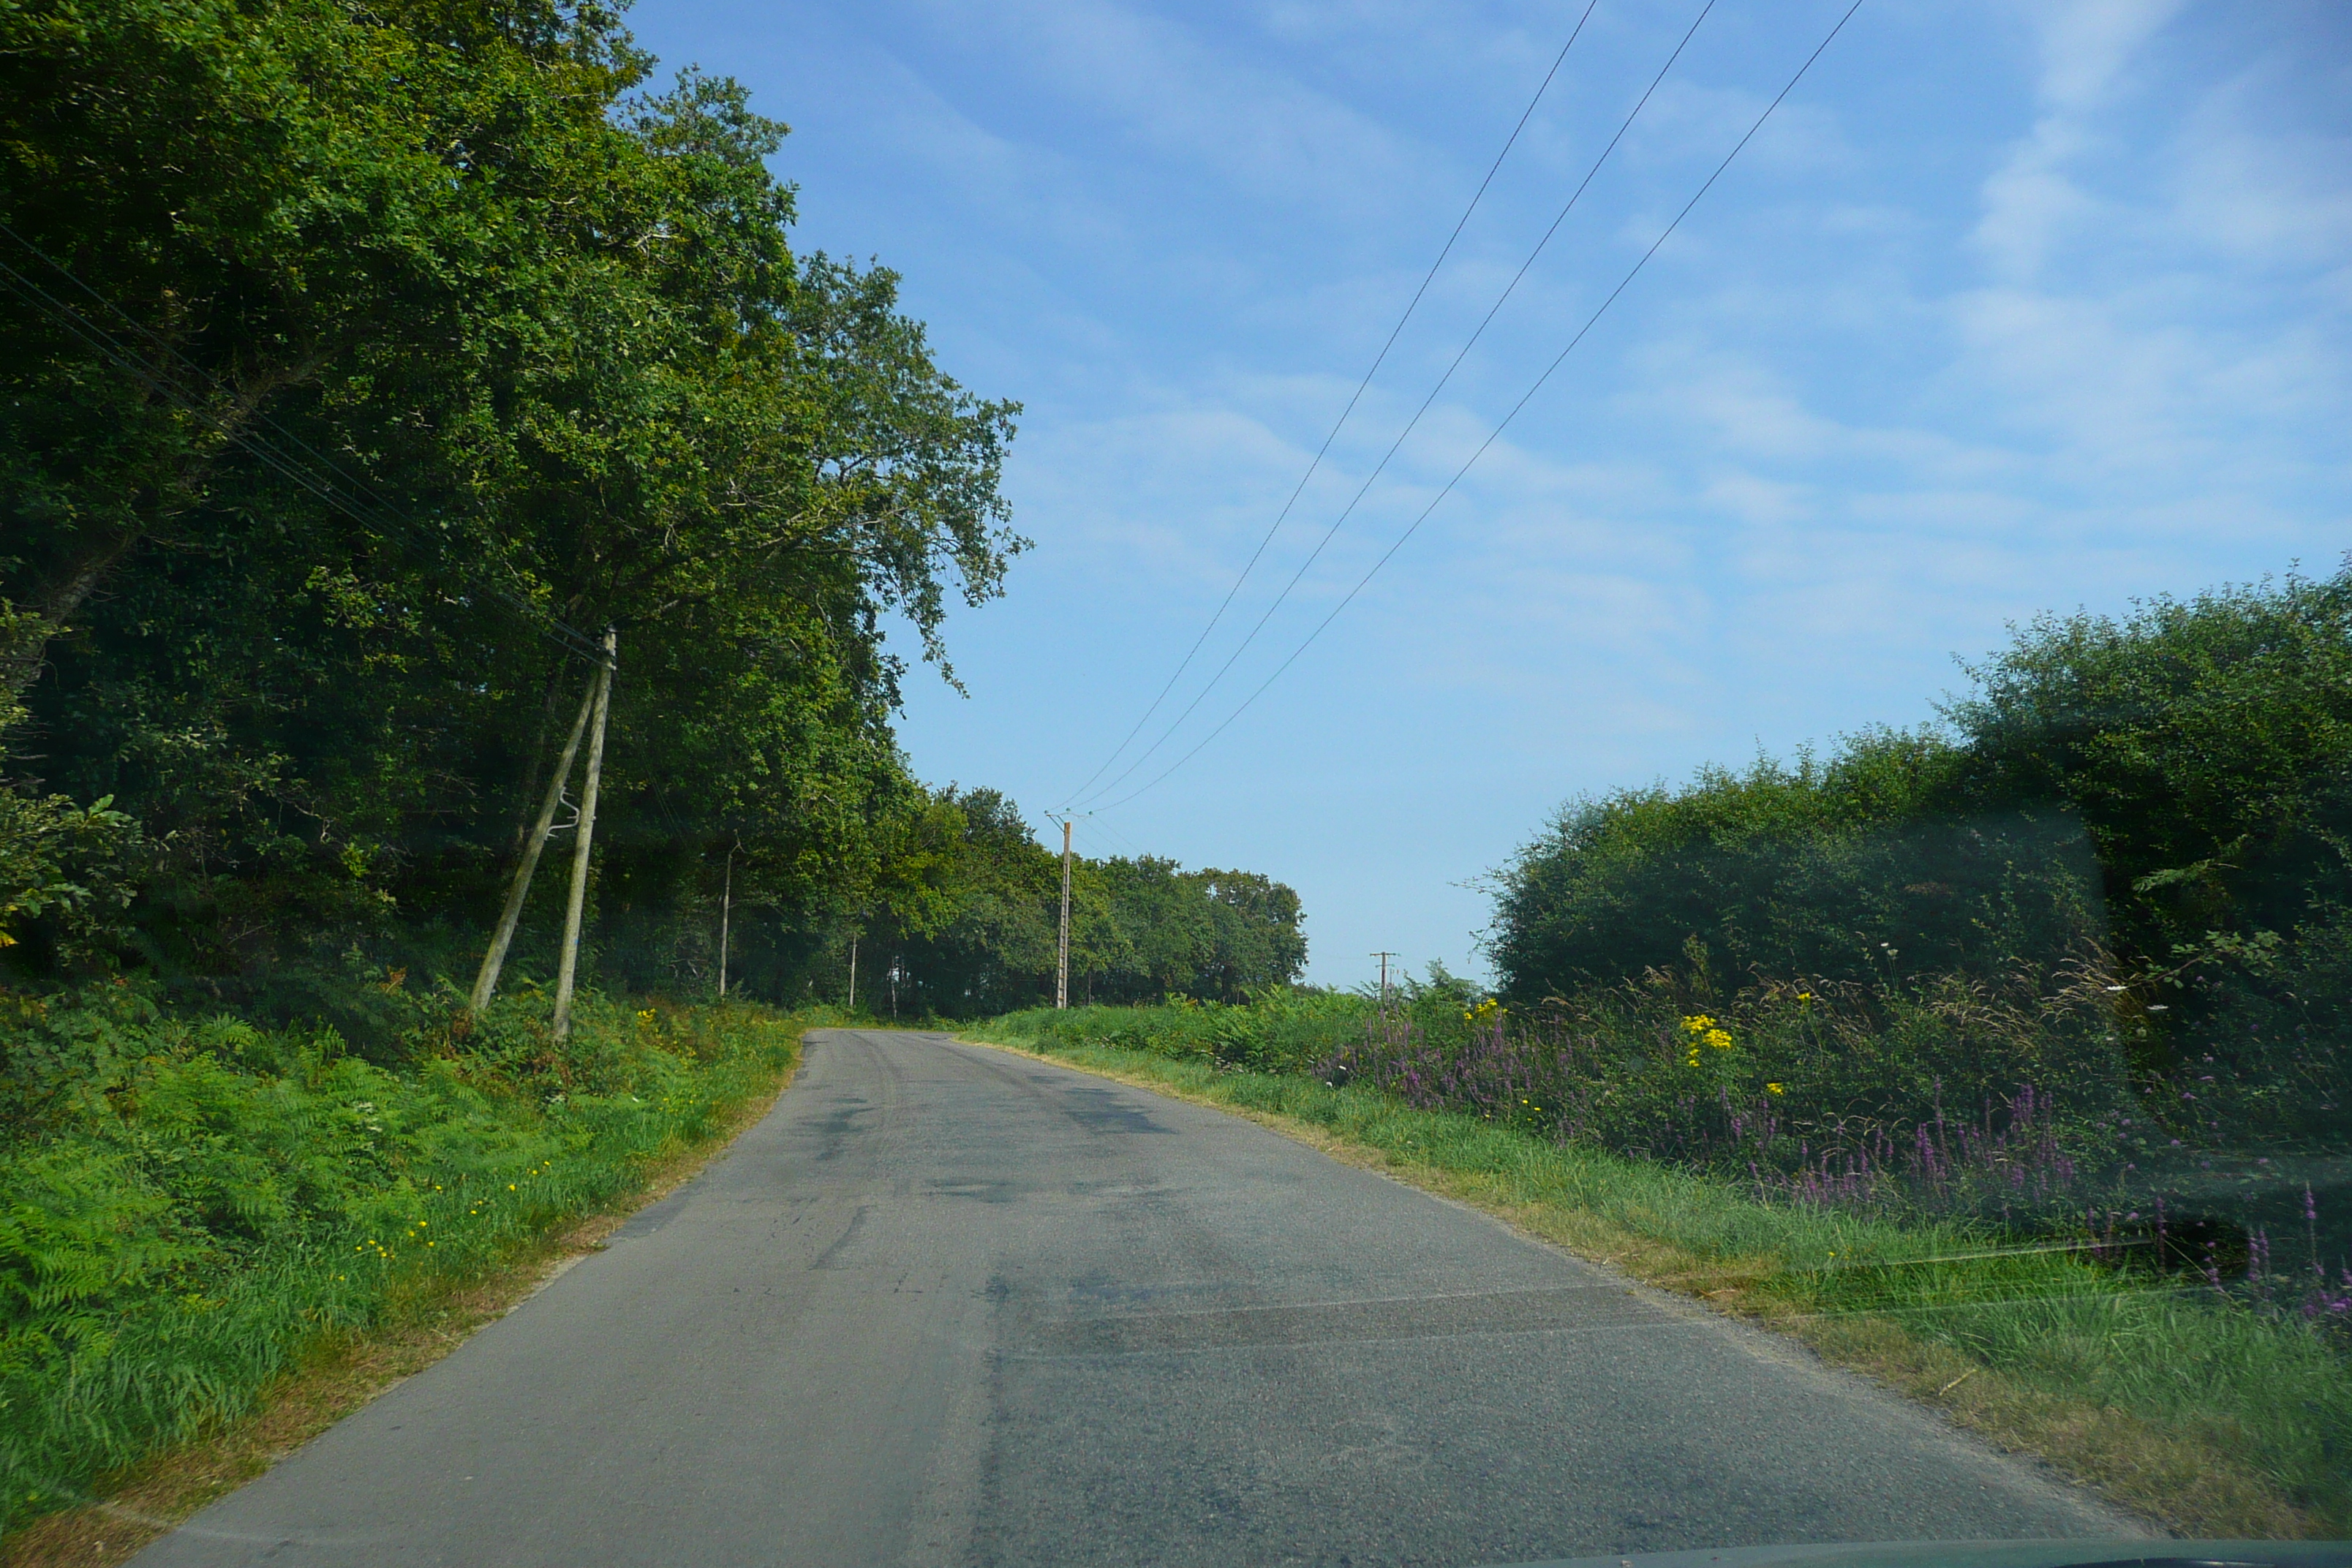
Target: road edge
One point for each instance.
(2183, 1488)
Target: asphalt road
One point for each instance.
(947, 1305)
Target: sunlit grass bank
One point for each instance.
(2217, 1418)
(188, 1206)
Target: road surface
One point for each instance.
(948, 1305)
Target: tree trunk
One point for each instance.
(24, 634)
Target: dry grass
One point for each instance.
(338, 1377)
(2186, 1480)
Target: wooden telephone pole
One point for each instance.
(485, 980)
(1384, 958)
(594, 702)
(568, 971)
(726, 911)
(1062, 967)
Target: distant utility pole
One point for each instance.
(569, 970)
(1062, 966)
(852, 973)
(1384, 958)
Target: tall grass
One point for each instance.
(187, 1205)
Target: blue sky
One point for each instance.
(2010, 308)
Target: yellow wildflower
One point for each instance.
(1701, 1030)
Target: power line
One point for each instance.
(1100, 833)
(348, 498)
(1120, 841)
(1413, 424)
(1504, 424)
(1377, 360)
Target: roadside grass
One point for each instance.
(2215, 1420)
(171, 1336)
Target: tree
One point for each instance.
(406, 332)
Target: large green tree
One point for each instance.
(358, 354)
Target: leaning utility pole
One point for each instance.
(569, 970)
(1062, 968)
(726, 910)
(1384, 958)
(485, 980)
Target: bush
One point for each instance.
(65, 877)
(1279, 1029)
(1945, 1097)
(1861, 868)
(2163, 802)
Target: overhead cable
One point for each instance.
(1504, 424)
(1331, 435)
(1413, 424)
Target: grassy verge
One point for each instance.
(240, 1246)
(2213, 1419)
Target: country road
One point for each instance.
(948, 1305)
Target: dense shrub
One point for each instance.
(2205, 744)
(1858, 868)
(1951, 1097)
(2165, 799)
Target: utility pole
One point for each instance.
(485, 980)
(1062, 968)
(1384, 958)
(852, 973)
(726, 911)
(569, 971)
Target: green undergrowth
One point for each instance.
(1279, 1029)
(2204, 1385)
(189, 1205)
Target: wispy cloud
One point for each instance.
(2035, 201)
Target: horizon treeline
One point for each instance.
(355, 356)
(971, 927)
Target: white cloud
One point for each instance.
(2033, 202)
(1208, 109)
(2087, 44)
(2271, 201)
